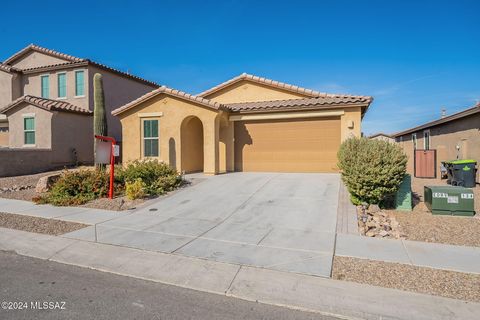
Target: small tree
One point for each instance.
(371, 169)
(99, 113)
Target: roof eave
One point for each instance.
(299, 108)
(431, 124)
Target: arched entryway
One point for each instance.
(191, 136)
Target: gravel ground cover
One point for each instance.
(37, 224)
(421, 225)
(26, 181)
(457, 285)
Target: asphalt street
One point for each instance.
(37, 289)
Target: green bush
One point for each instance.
(137, 180)
(135, 190)
(157, 177)
(76, 188)
(371, 169)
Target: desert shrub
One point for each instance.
(157, 177)
(76, 188)
(371, 169)
(135, 190)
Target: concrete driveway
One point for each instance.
(271, 220)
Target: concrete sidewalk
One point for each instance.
(311, 293)
(416, 253)
(422, 254)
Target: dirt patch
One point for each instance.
(26, 182)
(37, 224)
(443, 283)
(116, 204)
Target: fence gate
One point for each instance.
(425, 163)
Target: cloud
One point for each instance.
(393, 89)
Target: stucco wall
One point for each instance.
(174, 111)
(36, 59)
(118, 91)
(351, 116)
(43, 120)
(27, 161)
(5, 88)
(32, 86)
(247, 91)
(72, 137)
(444, 138)
(3, 134)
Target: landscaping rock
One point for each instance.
(373, 208)
(45, 183)
(373, 223)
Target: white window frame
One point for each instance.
(29, 115)
(41, 85)
(426, 133)
(414, 141)
(142, 120)
(75, 82)
(66, 86)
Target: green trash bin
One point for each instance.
(457, 201)
(461, 173)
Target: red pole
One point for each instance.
(112, 169)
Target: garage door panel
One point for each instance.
(304, 145)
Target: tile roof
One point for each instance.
(33, 47)
(273, 83)
(7, 68)
(72, 62)
(46, 104)
(171, 92)
(379, 134)
(459, 115)
(323, 101)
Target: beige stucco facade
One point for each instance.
(457, 139)
(173, 115)
(67, 136)
(184, 145)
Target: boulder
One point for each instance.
(373, 208)
(45, 183)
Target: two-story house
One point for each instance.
(46, 103)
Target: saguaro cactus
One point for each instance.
(99, 113)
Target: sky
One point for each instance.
(413, 57)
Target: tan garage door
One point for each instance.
(303, 145)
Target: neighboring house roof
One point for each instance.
(72, 62)
(380, 134)
(7, 68)
(323, 102)
(455, 116)
(171, 92)
(33, 47)
(46, 104)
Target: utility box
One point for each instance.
(457, 201)
(403, 197)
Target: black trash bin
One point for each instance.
(461, 173)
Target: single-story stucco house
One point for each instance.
(382, 136)
(247, 123)
(456, 136)
(46, 104)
